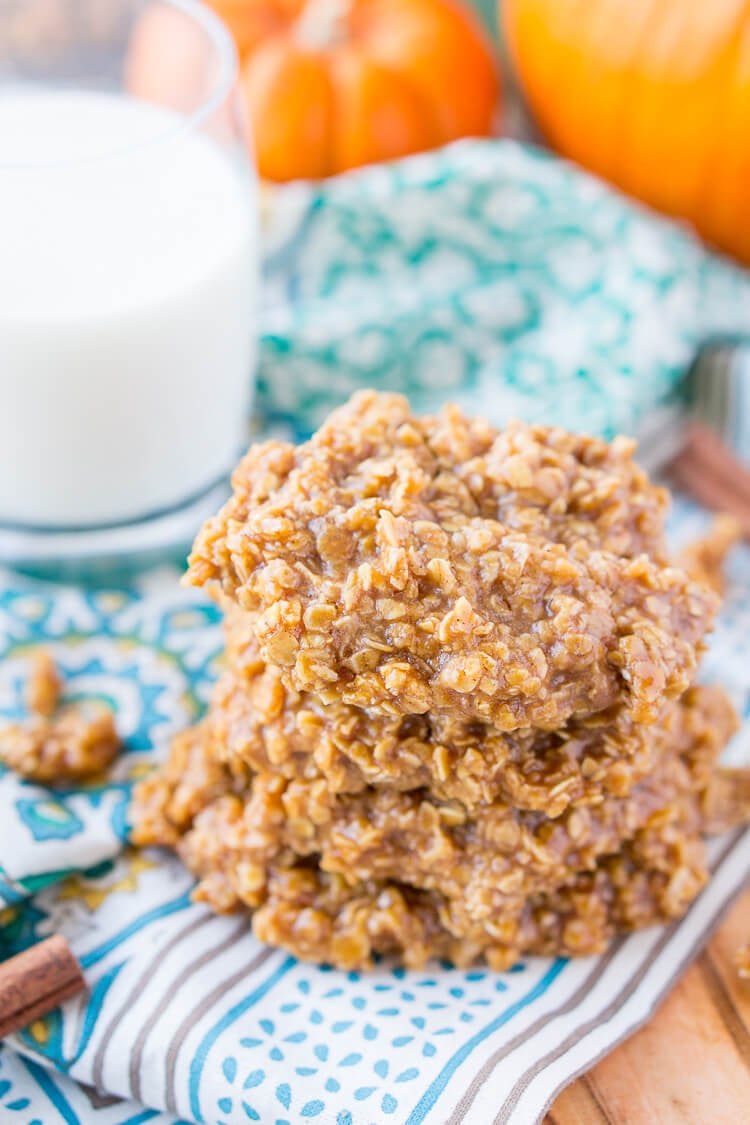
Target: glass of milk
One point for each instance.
(128, 271)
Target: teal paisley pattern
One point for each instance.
(47, 819)
(149, 657)
(492, 274)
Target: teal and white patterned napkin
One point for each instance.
(148, 652)
(492, 274)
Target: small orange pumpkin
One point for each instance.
(653, 95)
(333, 84)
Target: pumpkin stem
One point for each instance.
(323, 23)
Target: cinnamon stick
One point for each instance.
(36, 981)
(709, 448)
(697, 478)
(714, 476)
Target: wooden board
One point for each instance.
(691, 1064)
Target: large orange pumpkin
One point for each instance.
(654, 95)
(332, 84)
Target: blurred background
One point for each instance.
(488, 14)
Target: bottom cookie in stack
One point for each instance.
(341, 877)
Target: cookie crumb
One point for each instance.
(705, 558)
(44, 686)
(55, 745)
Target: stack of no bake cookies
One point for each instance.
(457, 717)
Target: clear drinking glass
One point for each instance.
(128, 272)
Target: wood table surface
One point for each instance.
(690, 1065)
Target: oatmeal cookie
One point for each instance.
(57, 744)
(191, 778)
(73, 745)
(485, 868)
(385, 573)
(262, 723)
(319, 917)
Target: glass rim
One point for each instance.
(221, 41)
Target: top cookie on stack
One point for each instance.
(412, 565)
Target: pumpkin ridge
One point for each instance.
(654, 95)
(642, 31)
(722, 146)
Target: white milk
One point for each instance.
(128, 261)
